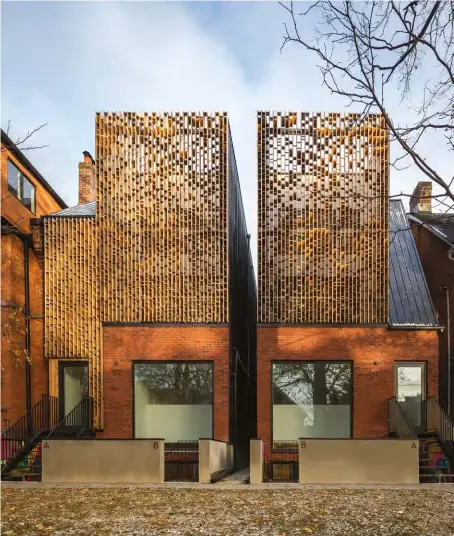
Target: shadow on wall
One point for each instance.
(372, 352)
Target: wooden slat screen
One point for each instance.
(162, 215)
(323, 218)
(72, 325)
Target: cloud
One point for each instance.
(73, 59)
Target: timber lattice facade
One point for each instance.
(161, 247)
(323, 218)
(162, 216)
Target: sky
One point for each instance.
(63, 61)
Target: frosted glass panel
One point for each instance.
(173, 401)
(311, 400)
(292, 422)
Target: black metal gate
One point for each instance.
(181, 461)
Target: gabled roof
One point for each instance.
(19, 155)
(410, 304)
(441, 225)
(87, 210)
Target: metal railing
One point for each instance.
(78, 421)
(397, 420)
(41, 418)
(439, 421)
(181, 461)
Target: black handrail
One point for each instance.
(439, 420)
(397, 420)
(78, 421)
(41, 418)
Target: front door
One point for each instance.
(73, 385)
(411, 392)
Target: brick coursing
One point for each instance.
(125, 344)
(87, 181)
(373, 351)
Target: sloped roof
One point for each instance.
(441, 225)
(410, 303)
(87, 210)
(17, 153)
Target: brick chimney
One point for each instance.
(421, 199)
(87, 179)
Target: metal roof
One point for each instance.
(410, 304)
(87, 210)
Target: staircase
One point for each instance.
(21, 442)
(436, 441)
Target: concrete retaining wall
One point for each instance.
(356, 461)
(256, 461)
(213, 456)
(103, 461)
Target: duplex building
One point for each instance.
(149, 284)
(346, 326)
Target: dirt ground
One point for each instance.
(141, 511)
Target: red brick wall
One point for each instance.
(125, 344)
(13, 399)
(373, 383)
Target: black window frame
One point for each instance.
(174, 362)
(313, 362)
(19, 193)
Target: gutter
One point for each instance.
(419, 328)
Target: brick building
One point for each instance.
(150, 290)
(434, 236)
(25, 195)
(345, 319)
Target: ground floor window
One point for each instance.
(173, 401)
(311, 399)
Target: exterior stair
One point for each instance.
(21, 442)
(436, 441)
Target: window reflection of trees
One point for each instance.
(176, 383)
(311, 383)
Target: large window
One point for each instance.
(173, 401)
(311, 400)
(21, 187)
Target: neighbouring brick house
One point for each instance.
(25, 195)
(345, 319)
(149, 284)
(434, 236)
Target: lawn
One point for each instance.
(141, 511)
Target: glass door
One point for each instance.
(411, 392)
(73, 385)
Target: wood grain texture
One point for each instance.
(162, 216)
(323, 218)
(72, 317)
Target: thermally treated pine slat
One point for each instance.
(323, 218)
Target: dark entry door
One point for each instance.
(72, 385)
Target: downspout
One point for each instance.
(28, 389)
(448, 341)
